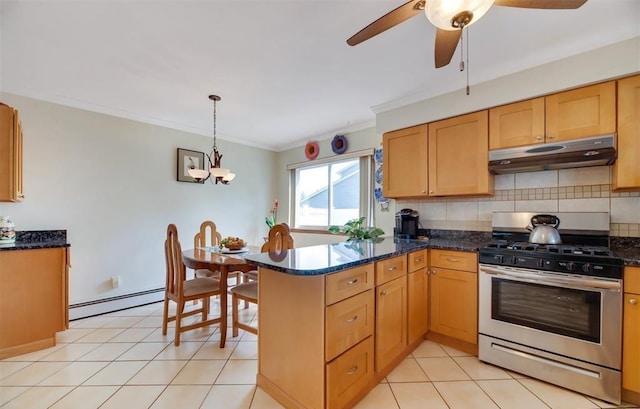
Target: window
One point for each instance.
(331, 192)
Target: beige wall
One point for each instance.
(111, 183)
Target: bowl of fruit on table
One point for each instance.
(233, 243)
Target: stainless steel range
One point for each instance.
(553, 311)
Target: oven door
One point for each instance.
(566, 314)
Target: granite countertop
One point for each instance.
(329, 258)
(37, 239)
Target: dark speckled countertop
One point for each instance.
(37, 239)
(329, 258)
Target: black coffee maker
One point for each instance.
(407, 221)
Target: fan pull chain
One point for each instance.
(462, 48)
(467, 28)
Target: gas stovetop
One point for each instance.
(596, 251)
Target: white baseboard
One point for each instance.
(106, 305)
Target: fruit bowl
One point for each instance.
(233, 243)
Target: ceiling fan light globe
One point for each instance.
(219, 172)
(441, 13)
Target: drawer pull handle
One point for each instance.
(392, 268)
(352, 282)
(355, 317)
(633, 301)
(352, 370)
(418, 260)
(453, 260)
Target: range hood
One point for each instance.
(596, 151)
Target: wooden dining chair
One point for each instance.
(279, 240)
(180, 290)
(208, 236)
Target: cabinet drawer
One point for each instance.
(348, 322)
(632, 280)
(390, 269)
(350, 375)
(456, 260)
(417, 260)
(349, 282)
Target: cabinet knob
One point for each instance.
(538, 137)
(551, 136)
(352, 282)
(393, 268)
(424, 191)
(633, 301)
(353, 370)
(355, 317)
(431, 192)
(433, 272)
(383, 292)
(418, 260)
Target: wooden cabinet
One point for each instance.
(626, 169)
(391, 322)
(443, 158)
(453, 297)
(405, 162)
(579, 113)
(631, 336)
(458, 156)
(11, 189)
(417, 296)
(33, 299)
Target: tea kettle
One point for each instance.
(544, 229)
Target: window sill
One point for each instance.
(311, 231)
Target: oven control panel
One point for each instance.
(612, 268)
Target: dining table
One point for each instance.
(214, 259)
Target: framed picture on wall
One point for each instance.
(188, 159)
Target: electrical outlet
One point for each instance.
(115, 281)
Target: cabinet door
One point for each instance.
(631, 343)
(418, 298)
(454, 304)
(518, 124)
(391, 321)
(582, 112)
(10, 155)
(405, 162)
(458, 156)
(626, 169)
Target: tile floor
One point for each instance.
(122, 360)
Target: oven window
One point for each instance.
(563, 311)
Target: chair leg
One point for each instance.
(234, 315)
(165, 316)
(205, 308)
(179, 310)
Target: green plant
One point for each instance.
(357, 229)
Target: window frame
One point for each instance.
(366, 187)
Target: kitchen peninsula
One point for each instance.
(340, 317)
(33, 291)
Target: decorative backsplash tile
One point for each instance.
(577, 190)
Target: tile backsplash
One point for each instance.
(566, 190)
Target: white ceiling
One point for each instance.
(282, 67)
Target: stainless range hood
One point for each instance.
(596, 151)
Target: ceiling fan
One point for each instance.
(450, 17)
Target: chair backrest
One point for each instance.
(175, 265)
(202, 239)
(279, 239)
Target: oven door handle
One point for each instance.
(549, 278)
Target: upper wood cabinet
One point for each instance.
(10, 155)
(626, 169)
(405, 162)
(458, 156)
(579, 113)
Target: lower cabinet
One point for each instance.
(350, 374)
(33, 299)
(391, 321)
(453, 299)
(631, 336)
(417, 296)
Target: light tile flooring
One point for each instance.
(122, 360)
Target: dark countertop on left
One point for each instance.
(37, 239)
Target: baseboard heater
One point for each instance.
(116, 303)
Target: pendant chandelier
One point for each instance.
(215, 172)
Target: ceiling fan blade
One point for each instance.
(541, 4)
(446, 44)
(392, 18)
